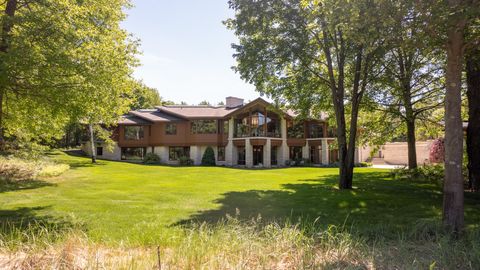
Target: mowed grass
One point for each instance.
(118, 202)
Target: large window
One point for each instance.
(204, 126)
(273, 155)
(241, 127)
(176, 152)
(257, 124)
(133, 153)
(134, 133)
(295, 152)
(273, 128)
(225, 127)
(241, 156)
(315, 130)
(295, 130)
(221, 153)
(171, 129)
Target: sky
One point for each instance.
(187, 52)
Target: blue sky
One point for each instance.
(186, 50)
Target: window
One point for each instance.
(273, 128)
(295, 130)
(204, 127)
(171, 129)
(257, 124)
(241, 156)
(331, 132)
(176, 152)
(133, 153)
(99, 151)
(133, 133)
(273, 155)
(221, 153)
(241, 127)
(295, 152)
(315, 130)
(225, 127)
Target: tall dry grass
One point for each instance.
(232, 244)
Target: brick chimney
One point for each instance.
(233, 102)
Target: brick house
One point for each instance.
(255, 134)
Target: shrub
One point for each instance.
(437, 151)
(208, 158)
(427, 173)
(185, 161)
(17, 169)
(151, 158)
(54, 170)
(289, 163)
(363, 164)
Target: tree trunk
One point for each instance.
(92, 143)
(453, 189)
(473, 130)
(7, 25)
(412, 149)
(345, 180)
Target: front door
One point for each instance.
(257, 155)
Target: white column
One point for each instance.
(283, 153)
(324, 151)
(248, 154)
(306, 151)
(229, 149)
(267, 154)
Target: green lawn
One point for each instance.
(117, 201)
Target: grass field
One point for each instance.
(117, 203)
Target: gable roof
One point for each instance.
(192, 112)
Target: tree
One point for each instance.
(473, 129)
(60, 62)
(453, 214)
(313, 55)
(145, 97)
(411, 74)
(204, 103)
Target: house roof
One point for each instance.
(191, 112)
(132, 120)
(173, 113)
(155, 116)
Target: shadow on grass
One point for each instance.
(376, 200)
(13, 185)
(24, 225)
(84, 162)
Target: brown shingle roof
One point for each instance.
(155, 116)
(197, 111)
(132, 120)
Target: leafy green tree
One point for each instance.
(411, 84)
(315, 55)
(62, 61)
(204, 103)
(145, 97)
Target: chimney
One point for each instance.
(233, 102)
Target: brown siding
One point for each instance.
(155, 135)
(296, 142)
(258, 141)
